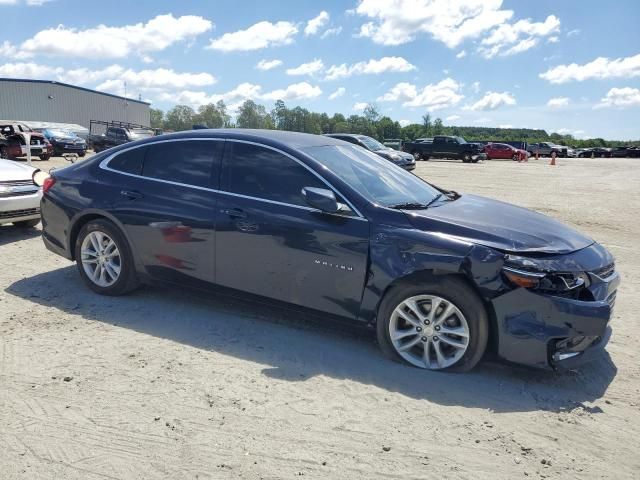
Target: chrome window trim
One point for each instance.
(104, 165)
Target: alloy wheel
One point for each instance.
(429, 332)
(100, 258)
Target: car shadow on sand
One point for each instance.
(294, 347)
(11, 233)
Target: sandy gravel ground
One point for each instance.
(180, 385)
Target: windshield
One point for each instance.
(373, 177)
(140, 133)
(461, 140)
(59, 133)
(371, 144)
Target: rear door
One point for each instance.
(166, 200)
(271, 243)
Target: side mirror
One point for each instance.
(322, 199)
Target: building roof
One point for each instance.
(53, 82)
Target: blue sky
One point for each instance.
(571, 66)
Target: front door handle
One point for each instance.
(234, 212)
(131, 194)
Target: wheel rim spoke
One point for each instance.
(100, 258)
(442, 332)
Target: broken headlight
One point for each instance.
(553, 282)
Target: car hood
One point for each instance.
(11, 170)
(499, 225)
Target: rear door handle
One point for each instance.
(234, 212)
(131, 194)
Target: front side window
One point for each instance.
(263, 173)
(371, 143)
(193, 162)
(376, 179)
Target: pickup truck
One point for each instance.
(546, 149)
(445, 147)
(117, 136)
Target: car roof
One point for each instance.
(280, 137)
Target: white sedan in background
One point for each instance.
(20, 193)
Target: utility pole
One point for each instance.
(126, 103)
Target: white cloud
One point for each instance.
(29, 3)
(103, 41)
(493, 100)
(404, 123)
(297, 91)
(554, 39)
(385, 64)
(475, 86)
(331, 31)
(268, 64)
(309, 68)
(260, 35)
(443, 94)
(505, 125)
(461, 54)
(111, 79)
(338, 93)
(315, 24)
(621, 97)
(509, 39)
(452, 118)
(600, 68)
(558, 102)
(450, 22)
(242, 92)
(575, 31)
(360, 106)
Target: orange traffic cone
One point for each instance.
(553, 158)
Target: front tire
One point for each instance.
(104, 259)
(466, 157)
(44, 158)
(438, 324)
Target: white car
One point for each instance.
(20, 193)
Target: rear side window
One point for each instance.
(193, 162)
(267, 174)
(129, 161)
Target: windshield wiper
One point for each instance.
(435, 199)
(408, 206)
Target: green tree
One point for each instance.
(253, 115)
(213, 115)
(371, 113)
(438, 127)
(426, 123)
(179, 118)
(157, 117)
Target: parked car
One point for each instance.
(545, 149)
(64, 141)
(395, 156)
(626, 151)
(445, 147)
(336, 230)
(117, 135)
(14, 144)
(502, 150)
(394, 143)
(595, 152)
(20, 193)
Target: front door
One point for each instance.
(271, 243)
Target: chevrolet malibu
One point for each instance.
(319, 223)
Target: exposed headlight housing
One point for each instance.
(558, 282)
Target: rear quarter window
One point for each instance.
(129, 161)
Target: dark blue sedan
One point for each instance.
(326, 225)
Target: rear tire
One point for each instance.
(466, 157)
(94, 252)
(468, 314)
(27, 223)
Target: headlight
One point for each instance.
(559, 282)
(394, 156)
(39, 177)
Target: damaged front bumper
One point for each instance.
(548, 331)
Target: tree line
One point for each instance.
(370, 122)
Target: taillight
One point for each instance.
(48, 183)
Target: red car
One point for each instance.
(13, 142)
(502, 150)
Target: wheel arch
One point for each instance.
(431, 274)
(85, 217)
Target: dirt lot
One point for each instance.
(173, 384)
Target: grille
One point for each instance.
(20, 213)
(16, 194)
(611, 299)
(16, 183)
(605, 272)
